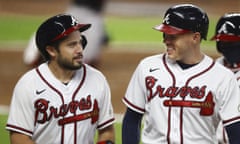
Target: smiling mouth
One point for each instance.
(170, 49)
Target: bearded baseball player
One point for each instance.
(88, 11)
(62, 101)
(227, 37)
(182, 93)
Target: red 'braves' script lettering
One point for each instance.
(46, 112)
(153, 90)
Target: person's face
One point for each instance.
(69, 55)
(179, 47)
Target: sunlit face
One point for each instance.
(178, 47)
(70, 55)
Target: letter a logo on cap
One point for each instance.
(223, 28)
(166, 19)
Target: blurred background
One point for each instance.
(128, 24)
(130, 37)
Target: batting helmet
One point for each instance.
(184, 18)
(56, 28)
(228, 28)
(227, 37)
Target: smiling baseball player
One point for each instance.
(182, 93)
(62, 101)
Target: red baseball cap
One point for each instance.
(168, 29)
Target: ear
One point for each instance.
(197, 36)
(51, 51)
(84, 41)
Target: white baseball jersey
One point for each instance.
(221, 135)
(235, 70)
(182, 106)
(51, 112)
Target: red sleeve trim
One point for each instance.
(12, 127)
(105, 123)
(133, 106)
(231, 120)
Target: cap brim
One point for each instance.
(80, 27)
(83, 27)
(170, 29)
(224, 37)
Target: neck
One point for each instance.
(61, 74)
(192, 59)
(185, 66)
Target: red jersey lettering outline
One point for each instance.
(42, 109)
(206, 107)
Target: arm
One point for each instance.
(106, 134)
(131, 127)
(18, 138)
(233, 133)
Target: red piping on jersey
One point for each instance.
(188, 81)
(181, 111)
(169, 109)
(19, 128)
(73, 97)
(61, 96)
(52, 87)
(231, 120)
(101, 125)
(138, 108)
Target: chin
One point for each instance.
(171, 56)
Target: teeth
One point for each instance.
(169, 48)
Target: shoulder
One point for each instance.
(220, 60)
(222, 68)
(221, 72)
(26, 82)
(90, 69)
(215, 68)
(28, 76)
(151, 59)
(93, 72)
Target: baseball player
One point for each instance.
(227, 37)
(182, 93)
(62, 101)
(87, 11)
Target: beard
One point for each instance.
(67, 64)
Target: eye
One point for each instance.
(169, 37)
(72, 44)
